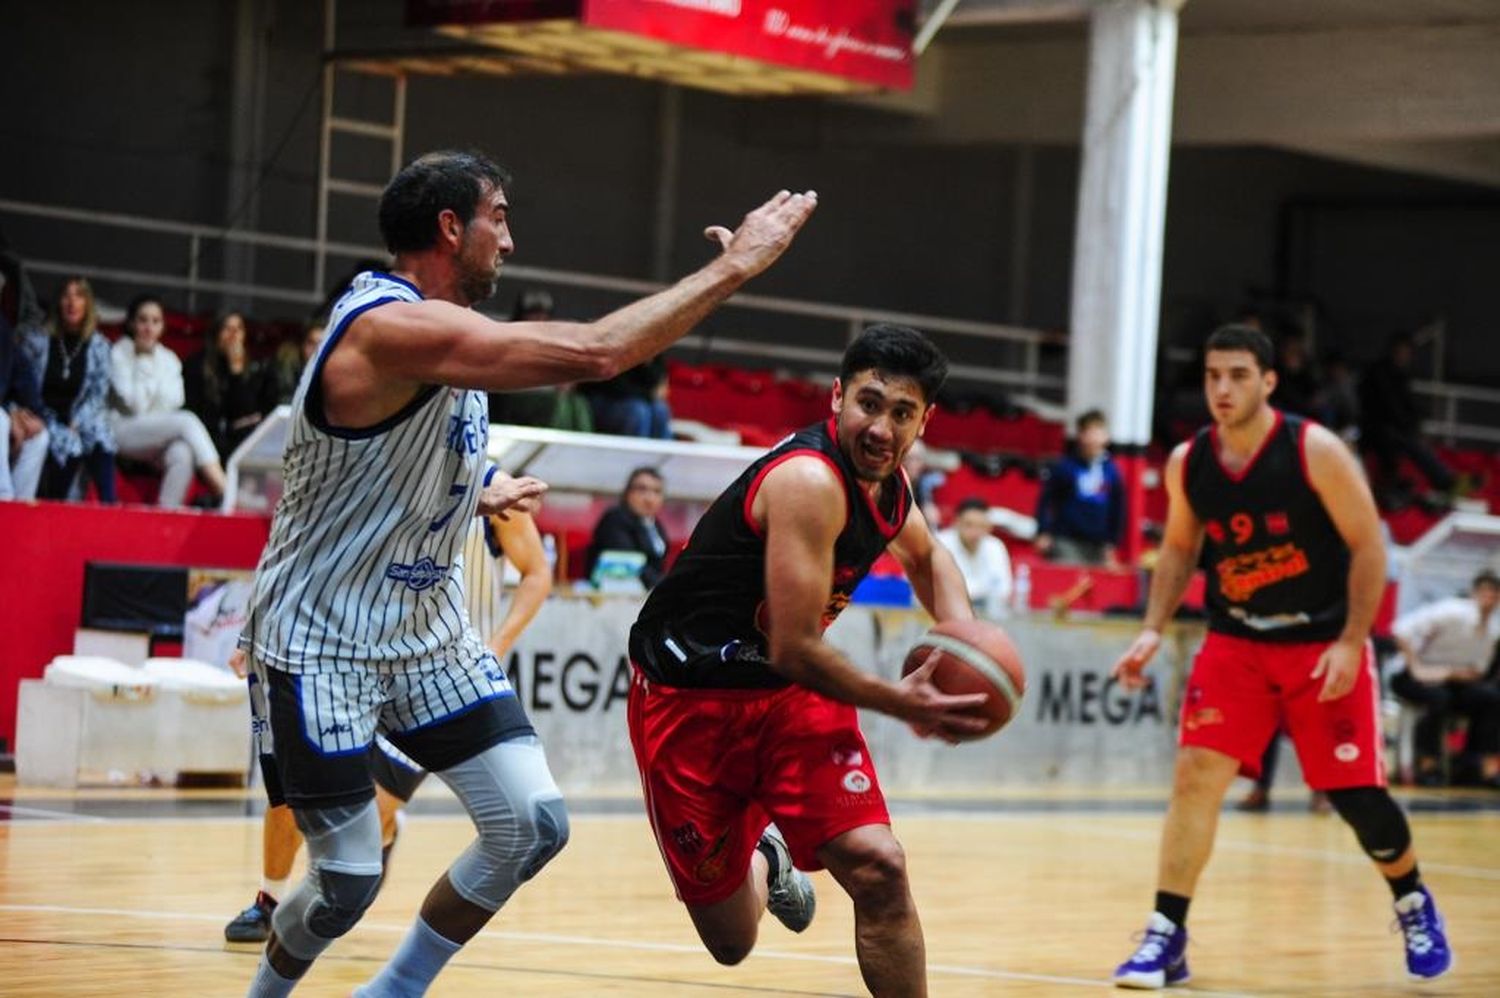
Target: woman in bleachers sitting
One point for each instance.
(228, 390)
(72, 364)
(146, 401)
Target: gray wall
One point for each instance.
(126, 108)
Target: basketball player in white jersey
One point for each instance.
(357, 622)
(492, 541)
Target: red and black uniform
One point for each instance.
(725, 743)
(1277, 595)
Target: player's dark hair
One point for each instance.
(971, 503)
(1247, 338)
(1486, 577)
(1094, 417)
(428, 185)
(899, 351)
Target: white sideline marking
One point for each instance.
(954, 970)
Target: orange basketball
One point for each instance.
(976, 658)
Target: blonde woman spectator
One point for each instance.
(71, 362)
(147, 416)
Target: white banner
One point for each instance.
(1075, 726)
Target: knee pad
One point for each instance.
(343, 850)
(342, 899)
(1377, 820)
(520, 817)
(549, 819)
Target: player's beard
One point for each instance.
(1243, 415)
(477, 280)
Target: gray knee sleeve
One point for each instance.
(343, 875)
(1377, 820)
(549, 819)
(519, 814)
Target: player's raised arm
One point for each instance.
(438, 342)
(934, 575)
(1175, 564)
(803, 506)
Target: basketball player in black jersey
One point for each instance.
(741, 714)
(1290, 540)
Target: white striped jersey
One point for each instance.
(363, 568)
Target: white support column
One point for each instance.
(1122, 194)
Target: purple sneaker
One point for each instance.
(1427, 952)
(1160, 960)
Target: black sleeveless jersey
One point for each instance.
(1277, 568)
(704, 625)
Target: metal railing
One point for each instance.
(1025, 376)
(1462, 413)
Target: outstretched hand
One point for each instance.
(766, 232)
(506, 495)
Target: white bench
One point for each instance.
(92, 719)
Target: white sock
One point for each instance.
(275, 888)
(268, 983)
(419, 958)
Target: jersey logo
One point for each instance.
(1241, 576)
(466, 436)
(422, 574)
(1278, 523)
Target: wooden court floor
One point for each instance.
(1034, 896)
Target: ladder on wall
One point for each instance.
(332, 125)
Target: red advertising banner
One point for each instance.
(866, 41)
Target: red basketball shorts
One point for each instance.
(1240, 692)
(717, 766)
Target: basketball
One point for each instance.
(976, 658)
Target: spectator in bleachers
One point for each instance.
(981, 557)
(632, 525)
(925, 481)
(148, 418)
(559, 408)
(1449, 647)
(1340, 397)
(1297, 387)
(69, 361)
(23, 435)
(228, 390)
(634, 404)
(293, 358)
(1391, 422)
(1081, 510)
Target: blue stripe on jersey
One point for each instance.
(312, 402)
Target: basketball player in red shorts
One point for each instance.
(1291, 544)
(741, 714)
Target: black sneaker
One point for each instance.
(253, 925)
